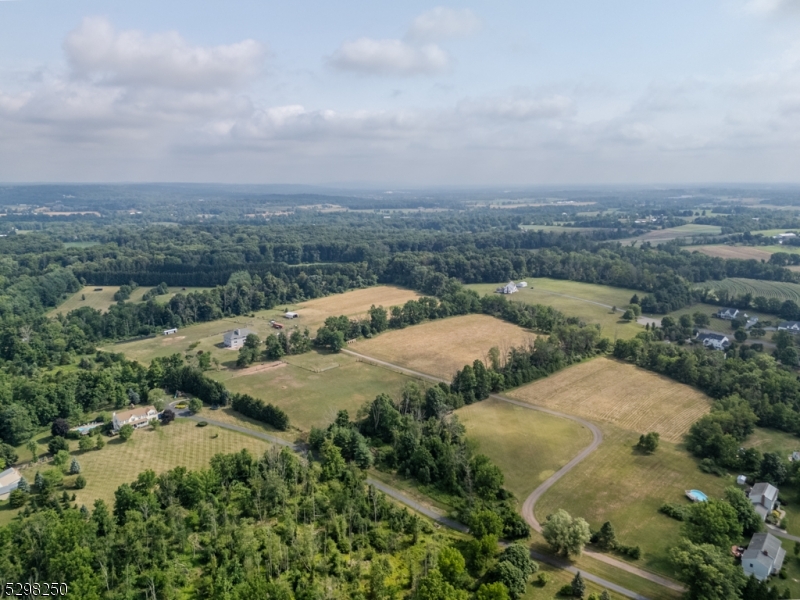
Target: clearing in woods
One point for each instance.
(619, 484)
(603, 389)
(311, 387)
(101, 300)
(443, 346)
(576, 299)
(528, 445)
(743, 252)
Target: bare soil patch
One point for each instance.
(627, 396)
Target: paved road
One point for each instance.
(782, 534)
(530, 502)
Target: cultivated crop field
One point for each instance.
(312, 387)
(618, 484)
(624, 395)
(587, 301)
(443, 346)
(528, 445)
(742, 252)
(768, 289)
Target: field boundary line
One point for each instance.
(530, 502)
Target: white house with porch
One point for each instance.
(140, 416)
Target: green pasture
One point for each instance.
(576, 299)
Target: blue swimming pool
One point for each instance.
(697, 496)
(84, 429)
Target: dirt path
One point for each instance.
(530, 502)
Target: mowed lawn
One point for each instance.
(103, 299)
(313, 387)
(443, 346)
(618, 484)
(609, 391)
(587, 301)
(528, 445)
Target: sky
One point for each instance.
(564, 92)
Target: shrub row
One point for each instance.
(258, 410)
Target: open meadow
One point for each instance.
(769, 289)
(443, 346)
(528, 445)
(609, 391)
(673, 233)
(587, 301)
(726, 251)
(619, 484)
(101, 300)
(312, 387)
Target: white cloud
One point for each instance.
(442, 23)
(390, 57)
(97, 51)
(519, 107)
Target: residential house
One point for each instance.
(790, 326)
(235, 339)
(751, 322)
(764, 497)
(784, 236)
(9, 481)
(763, 557)
(509, 288)
(717, 341)
(138, 417)
(728, 314)
(171, 331)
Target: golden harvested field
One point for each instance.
(724, 251)
(442, 347)
(627, 396)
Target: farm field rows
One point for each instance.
(581, 304)
(311, 388)
(443, 346)
(608, 391)
(726, 251)
(621, 485)
(769, 289)
(528, 445)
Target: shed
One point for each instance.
(170, 331)
(741, 480)
(290, 315)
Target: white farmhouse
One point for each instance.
(509, 288)
(716, 341)
(138, 417)
(235, 339)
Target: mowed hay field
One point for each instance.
(624, 395)
(313, 387)
(769, 289)
(444, 346)
(103, 299)
(528, 445)
(618, 484)
(725, 251)
(181, 443)
(587, 301)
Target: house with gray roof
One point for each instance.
(713, 340)
(728, 313)
(790, 326)
(764, 497)
(235, 339)
(763, 557)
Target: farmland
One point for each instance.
(312, 387)
(621, 394)
(208, 336)
(769, 289)
(443, 346)
(625, 487)
(528, 445)
(684, 231)
(587, 301)
(741, 252)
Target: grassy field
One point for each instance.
(769, 289)
(620, 485)
(683, 231)
(442, 347)
(313, 398)
(529, 446)
(180, 444)
(101, 300)
(621, 394)
(726, 251)
(576, 299)
(557, 228)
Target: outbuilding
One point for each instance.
(290, 315)
(171, 331)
